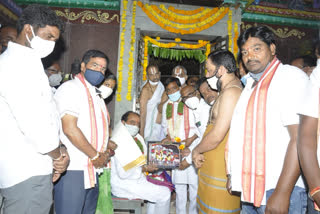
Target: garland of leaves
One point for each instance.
(139, 144)
(170, 107)
(176, 54)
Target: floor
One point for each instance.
(144, 209)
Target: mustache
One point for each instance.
(249, 61)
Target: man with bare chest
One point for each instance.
(150, 98)
(209, 154)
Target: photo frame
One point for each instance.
(163, 155)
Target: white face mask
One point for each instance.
(182, 80)
(213, 81)
(105, 91)
(55, 79)
(133, 130)
(41, 46)
(153, 83)
(192, 103)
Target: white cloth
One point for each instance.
(284, 95)
(181, 198)
(29, 121)
(152, 129)
(71, 98)
(133, 184)
(201, 115)
(125, 142)
(189, 175)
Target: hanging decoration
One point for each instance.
(208, 50)
(132, 45)
(230, 38)
(122, 41)
(186, 12)
(185, 23)
(235, 39)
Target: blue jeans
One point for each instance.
(311, 209)
(298, 203)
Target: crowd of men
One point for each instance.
(248, 139)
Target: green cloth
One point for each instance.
(104, 204)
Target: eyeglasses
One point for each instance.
(184, 98)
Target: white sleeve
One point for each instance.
(164, 124)
(132, 174)
(310, 104)
(193, 128)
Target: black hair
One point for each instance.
(126, 115)
(170, 80)
(180, 66)
(93, 54)
(225, 58)
(200, 81)
(262, 32)
(317, 47)
(110, 76)
(152, 65)
(309, 61)
(39, 16)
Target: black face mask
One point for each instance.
(3, 48)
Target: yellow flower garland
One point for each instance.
(208, 50)
(230, 40)
(182, 28)
(122, 41)
(184, 17)
(145, 59)
(235, 39)
(186, 12)
(132, 44)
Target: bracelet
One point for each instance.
(95, 157)
(314, 191)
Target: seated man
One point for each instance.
(129, 164)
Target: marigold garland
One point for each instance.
(173, 44)
(182, 28)
(145, 59)
(122, 41)
(235, 39)
(208, 50)
(132, 44)
(230, 31)
(186, 12)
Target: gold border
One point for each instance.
(139, 160)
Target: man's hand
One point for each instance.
(228, 185)
(101, 161)
(185, 152)
(188, 141)
(166, 140)
(197, 158)
(61, 164)
(183, 165)
(112, 145)
(277, 204)
(149, 168)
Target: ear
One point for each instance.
(273, 49)
(222, 70)
(28, 31)
(83, 67)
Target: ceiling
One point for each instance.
(207, 3)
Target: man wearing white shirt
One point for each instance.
(262, 153)
(85, 133)
(29, 140)
(308, 148)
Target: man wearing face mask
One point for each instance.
(54, 75)
(29, 142)
(209, 154)
(7, 34)
(150, 98)
(128, 166)
(179, 125)
(85, 132)
(206, 91)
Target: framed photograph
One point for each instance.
(164, 155)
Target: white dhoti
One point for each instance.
(152, 129)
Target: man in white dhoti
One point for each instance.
(179, 125)
(150, 98)
(128, 166)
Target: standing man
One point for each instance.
(85, 132)
(7, 34)
(150, 98)
(262, 154)
(209, 155)
(306, 63)
(180, 72)
(178, 125)
(54, 75)
(29, 140)
(308, 139)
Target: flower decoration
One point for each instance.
(177, 139)
(230, 40)
(182, 146)
(235, 39)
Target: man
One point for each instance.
(85, 132)
(308, 138)
(29, 122)
(192, 81)
(209, 154)
(150, 98)
(179, 125)
(207, 93)
(262, 157)
(305, 63)
(180, 72)
(7, 34)
(54, 75)
(128, 179)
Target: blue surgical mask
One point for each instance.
(175, 96)
(93, 77)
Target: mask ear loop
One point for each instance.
(32, 34)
